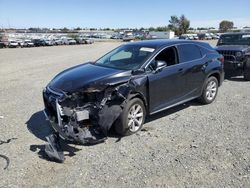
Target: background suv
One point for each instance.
(235, 47)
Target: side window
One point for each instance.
(168, 55)
(189, 52)
(121, 55)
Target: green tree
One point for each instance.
(184, 25)
(151, 29)
(174, 24)
(226, 25)
(78, 29)
(65, 30)
(161, 29)
(179, 25)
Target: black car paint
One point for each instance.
(111, 89)
(160, 90)
(81, 76)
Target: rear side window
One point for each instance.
(188, 52)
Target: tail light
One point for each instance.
(221, 59)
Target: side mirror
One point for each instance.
(160, 65)
(138, 71)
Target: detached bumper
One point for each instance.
(83, 135)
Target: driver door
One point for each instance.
(165, 85)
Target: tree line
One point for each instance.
(180, 25)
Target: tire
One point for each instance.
(209, 91)
(247, 74)
(133, 107)
(247, 71)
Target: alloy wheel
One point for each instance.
(211, 90)
(135, 117)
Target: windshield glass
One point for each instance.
(242, 39)
(127, 57)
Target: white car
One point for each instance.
(13, 44)
(71, 41)
(27, 43)
(208, 36)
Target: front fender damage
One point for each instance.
(86, 117)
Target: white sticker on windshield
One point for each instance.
(145, 49)
(245, 36)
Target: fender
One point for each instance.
(140, 96)
(218, 73)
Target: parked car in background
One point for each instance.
(208, 36)
(71, 41)
(49, 42)
(65, 41)
(58, 41)
(27, 43)
(80, 41)
(195, 37)
(235, 47)
(183, 38)
(20, 42)
(38, 42)
(132, 81)
(201, 36)
(128, 37)
(214, 36)
(204, 36)
(88, 41)
(13, 44)
(116, 36)
(84, 41)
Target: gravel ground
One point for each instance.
(187, 146)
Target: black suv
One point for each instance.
(235, 47)
(128, 83)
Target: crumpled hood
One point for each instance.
(233, 47)
(87, 75)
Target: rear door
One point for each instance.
(193, 64)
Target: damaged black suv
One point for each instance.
(130, 82)
(235, 47)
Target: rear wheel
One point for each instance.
(132, 118)
(247, 71)
(210, 90)
(247, 74)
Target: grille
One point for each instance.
(228, 55)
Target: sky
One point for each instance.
(120, 13)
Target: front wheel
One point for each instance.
(132, 118)
(210, 90)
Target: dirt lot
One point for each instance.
(187, 146)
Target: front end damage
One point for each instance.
(85, 116)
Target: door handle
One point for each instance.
(180, 70)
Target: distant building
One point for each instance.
(162, 35)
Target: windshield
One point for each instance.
(127, 57)
(242, 39)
